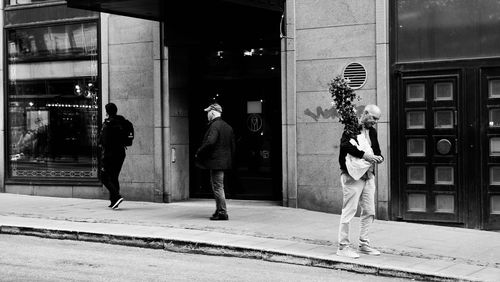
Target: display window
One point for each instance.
(24, 2)
(53, 103)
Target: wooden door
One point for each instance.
(429, 146)
(490, 146)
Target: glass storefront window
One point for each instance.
(446, 29)
(22, 2)
(52, 42)
(53, 102)
(53, 128)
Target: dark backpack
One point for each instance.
(127, 132)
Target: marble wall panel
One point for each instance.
(53, 191)
(127, 29)
(94, 192)
(138, 111)
(316, 107)
(315, 75)
(138, 191)
(321, 13)
(131, 84)
(336, 42)
(317, 170)
(131, 57)
(318, 138)
(138, 168)
(320, 198)
(20, 189)
(383, 169)
(143, 141)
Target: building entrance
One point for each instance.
(430, 152)
(446, 150)
(230, 53)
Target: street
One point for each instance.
(25, 258)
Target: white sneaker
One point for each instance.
(347, 252)
(365, 249)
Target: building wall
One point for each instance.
(131, 84)
(178, 74)
(329, 34)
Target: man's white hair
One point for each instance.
(372, 109)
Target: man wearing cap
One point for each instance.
(216, 154)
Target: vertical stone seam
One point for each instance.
(291, 104)
(382, 92)
(2, 104)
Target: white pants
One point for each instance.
(356, 192)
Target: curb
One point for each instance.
(187, 246)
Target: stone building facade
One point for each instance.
(269, 64)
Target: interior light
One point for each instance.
(31, 104)
(261, 100)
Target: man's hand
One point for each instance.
(371, 158)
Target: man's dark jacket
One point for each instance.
(217, 149)
(347, 148)
(110, 141)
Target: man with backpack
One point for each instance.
(116, 134)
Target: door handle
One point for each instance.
(455, 118)
(456, 146)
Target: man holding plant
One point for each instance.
(359, 152)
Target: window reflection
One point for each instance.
(53, 129)
(52, 42)
(430, 29)
(21, 2)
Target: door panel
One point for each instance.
(490, 141)
(430, 178)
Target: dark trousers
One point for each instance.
(109, 176)
(217, 181)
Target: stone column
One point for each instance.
(2, 107)
(383, 127)
(289, 108)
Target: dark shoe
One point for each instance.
(117, 203)
(219, 216)
(110, 205)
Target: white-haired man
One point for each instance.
(359, 188)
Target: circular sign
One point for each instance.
(254, 122)
(443, 146)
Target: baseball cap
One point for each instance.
(214, 107)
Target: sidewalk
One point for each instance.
(259, 229)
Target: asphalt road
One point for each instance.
(24, 258)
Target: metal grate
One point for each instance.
(356, 73)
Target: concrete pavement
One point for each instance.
(261, 230)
